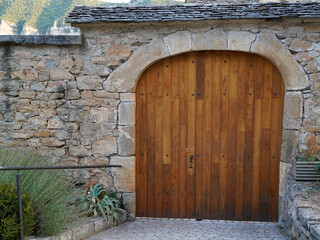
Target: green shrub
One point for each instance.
(53, 195)
(9, 218)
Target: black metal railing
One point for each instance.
(27, 168)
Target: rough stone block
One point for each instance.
(126, 141)
(99, 115)
(72, 94)
(100, 225)
(42, 133)
(304, 57)
(284, 169)
(129, 202)
(7, 85)
(289, 147)
(55, 123)
(104, 146)
(315, 230)
(292, 110)
(315, 77)
(128, 97)
(58, 74)
(66, 64)
(18, 75)
(217, 39)
(120, 51)
(47, 113)
(127, 112)
(84, 231)
(240, 40)
(55, 86)
(43, 76)
(89, 83)
(27, 94)
(79, 151)
(178, 42)
(124, 177)
(52, 142)
(299, 45)
(199, 42)
(21, 135)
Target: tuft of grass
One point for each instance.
(54, 197)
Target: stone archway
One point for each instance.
(125, 78)
(265, 43)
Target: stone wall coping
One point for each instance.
(41, 40)
(91, 227)
(192, 12)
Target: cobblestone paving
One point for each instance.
(164, 229)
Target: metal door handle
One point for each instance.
(191, 161)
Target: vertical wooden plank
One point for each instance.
(257, 135)
(183, 160)
(215, 137)
(175, 122)
(191, 133)
(207, 136)
(200, 78)
(248, 151)
(150, 140)
(167, 128)
(158, 138)
(275, 143)
(232, 135)
(241, 128)
(266, 135)
(224, 120)
(141, 112)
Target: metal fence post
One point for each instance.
(20, 204)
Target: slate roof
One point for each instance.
(192, 12)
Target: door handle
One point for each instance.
(191, 161)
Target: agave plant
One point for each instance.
(99, 203)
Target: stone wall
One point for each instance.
(301, 210)
(76, 105)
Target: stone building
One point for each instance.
(74, 98)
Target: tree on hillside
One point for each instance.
(153, 2)
(39, 13)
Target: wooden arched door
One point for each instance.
(208, 137)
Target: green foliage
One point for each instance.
(53, 195)
(314, 188)
(9, 218)
(39, 13)
(99, 203)
(307, 158)
(153, 2)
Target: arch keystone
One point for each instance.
(240, 40)
(178, 42)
